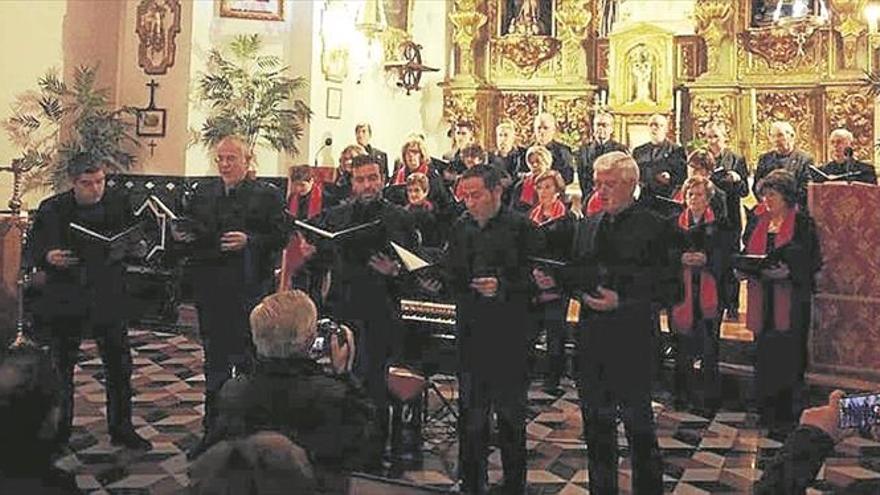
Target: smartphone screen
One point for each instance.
(860, 411)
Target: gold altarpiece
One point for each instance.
(808, 71)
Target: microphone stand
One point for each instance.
(18, 169)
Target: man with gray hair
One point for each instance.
(785, 155)
(545, 135)
(843, 163)
(602, 142)
(624, 264)
(662, 165)
(329, 416)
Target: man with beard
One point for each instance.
(661, 166)
(603, 128)
(362, 289)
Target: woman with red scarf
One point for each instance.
(524, 196)
(305, 202)
(415, 159)
(556, 223)
(696, 319)
(779, 300)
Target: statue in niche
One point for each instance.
(528, 17)
(642, 71)
(767, 12)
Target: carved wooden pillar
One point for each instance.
(573, 17)
(713, 25)
(466, 22)
(848, 22)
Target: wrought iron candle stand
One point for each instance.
(18, 169)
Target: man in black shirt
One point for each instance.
(842, 161)
(603, 128)
(237, 236)
(363, 133)
(731, 176)
(661, 165)
(508, 157)
(545, 135)
(624, 263)
(84, 295)
(785, 155)
(488, 274)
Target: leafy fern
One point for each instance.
(252, 95)
(58, 120)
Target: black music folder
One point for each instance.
(833, 177)
(112, 248)
(326, 234)
(752, 264)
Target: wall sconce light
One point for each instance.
(410, 70)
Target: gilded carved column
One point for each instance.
(573, 17)
(466, 22)
(848, 22)
(713, 25)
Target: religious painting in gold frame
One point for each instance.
(526, 17)
(158, 24)
(761, 12)
(265, 10)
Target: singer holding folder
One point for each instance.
(362, 274)
(236, 236)
(843, 166)
(84, 294)
(624, 264)
(779, 301)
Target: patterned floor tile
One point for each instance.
(722, 454)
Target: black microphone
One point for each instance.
(848, 153)
(328, 141)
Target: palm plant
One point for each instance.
(57, 121)
(252, 95)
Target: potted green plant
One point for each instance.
(58, 120)
(252, 95)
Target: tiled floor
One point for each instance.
(701, 455)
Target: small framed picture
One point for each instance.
(334, 103)
(265, 10)
(151, 122)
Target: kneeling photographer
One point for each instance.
(820, 429)
(326, 413)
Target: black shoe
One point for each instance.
(130, 439)
(732, 314)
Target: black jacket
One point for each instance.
(497, 325)
(734, 191)
(331, 418)
(655, 159)
(513, 164)
(586, 156)
(563, 162)
(797, 162)
(95, 288)
(866, 171)
(635, 254)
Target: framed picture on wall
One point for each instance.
(334, 103)
(266, 10)
(151, 122)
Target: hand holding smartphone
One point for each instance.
(860, 411)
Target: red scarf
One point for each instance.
(683, 313)
(781, 288)
(557, 210)
(594, 204)
(528, 194)
(403, 172)
(316, 203)
(678, 197)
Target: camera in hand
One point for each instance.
(860, 411)
(327, 329)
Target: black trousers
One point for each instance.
(477, 399)
(603, 407)
(115, 351)
(701, 343)
(779, 385)
(553, 322)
